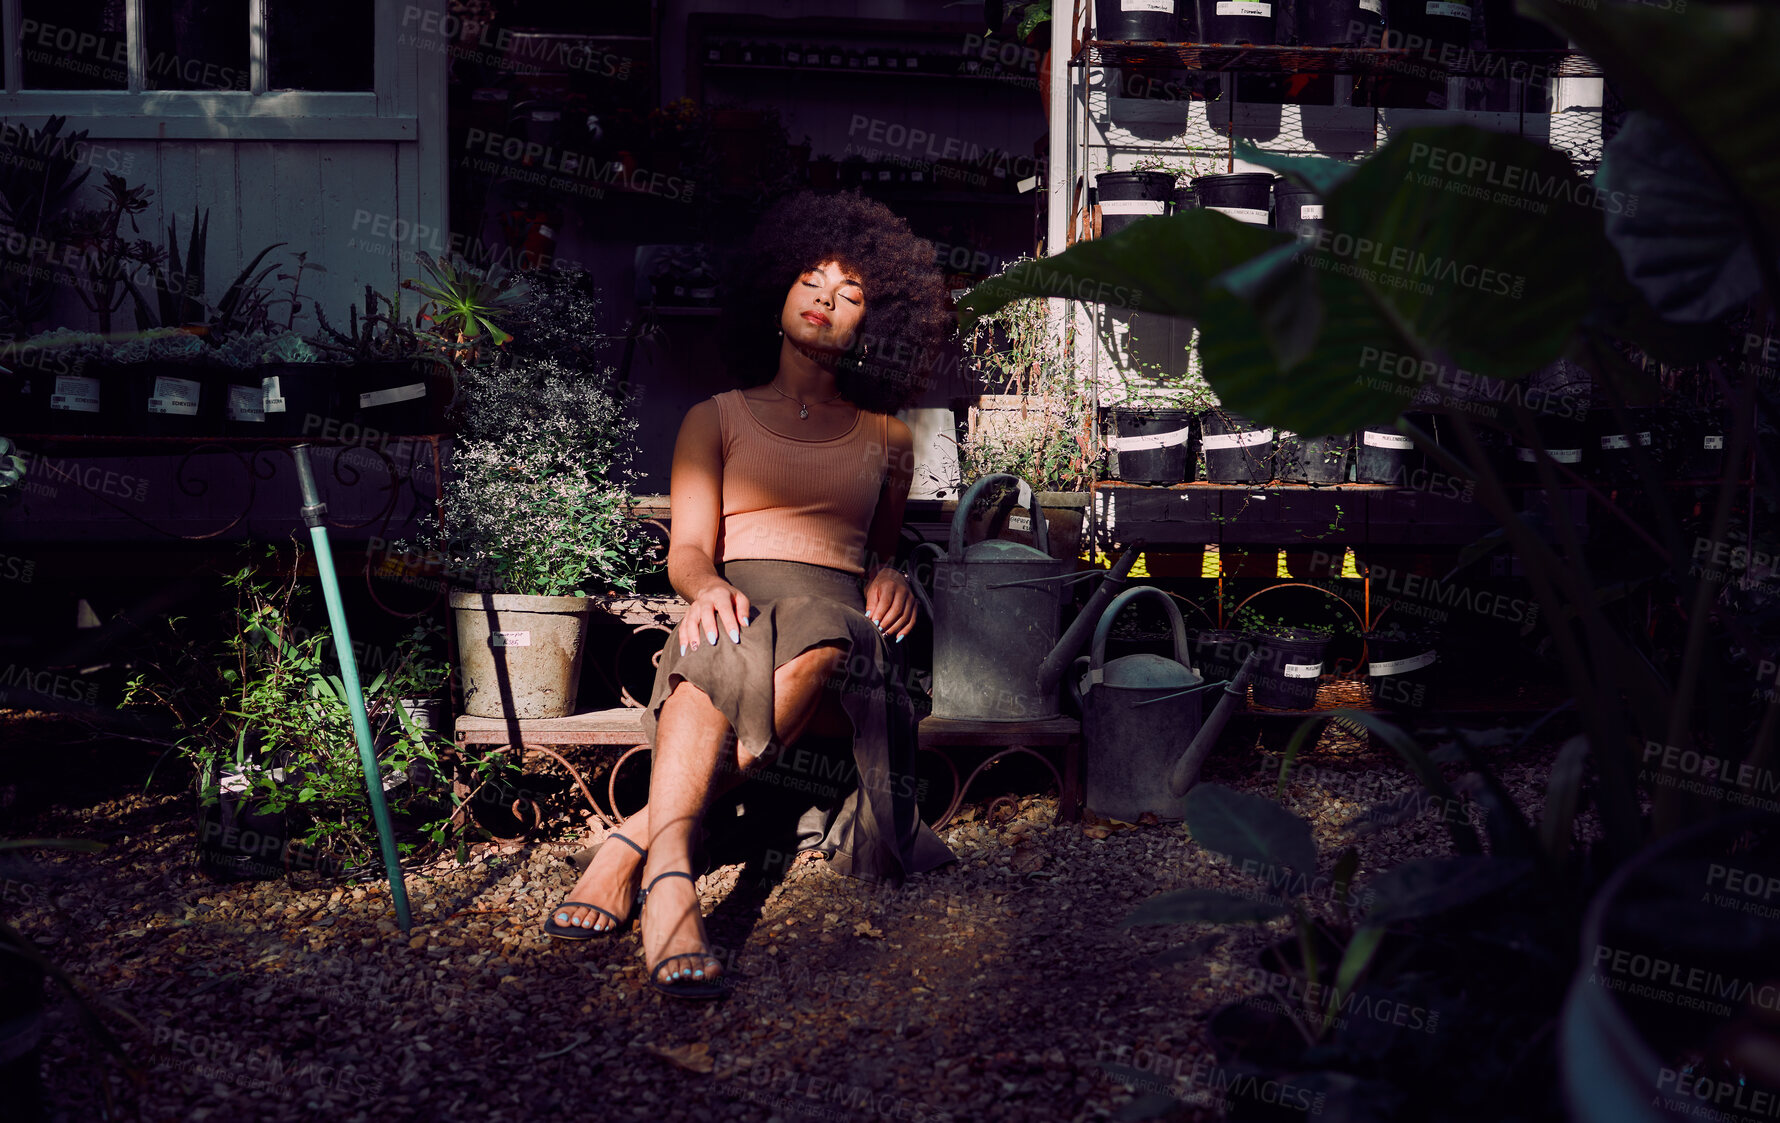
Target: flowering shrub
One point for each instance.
(538, 498)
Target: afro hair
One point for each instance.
(908, 320)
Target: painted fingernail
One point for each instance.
(682, 650)
(712, 634)
(746, 621)
(899, 638)
(735, 636)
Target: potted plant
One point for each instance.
(536, 510)
(265, 724)
(1292, 657)
(1039, 427)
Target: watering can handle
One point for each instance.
(914, 575)
(1040, 531)
(1104, 628)
(1072, 680)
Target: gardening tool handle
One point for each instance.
(1040, 532)
(1182, 693)
(1097, 660)
(313, 508)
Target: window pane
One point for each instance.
(74, 45)
(319, 44)
(196, 44)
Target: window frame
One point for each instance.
(385, 112)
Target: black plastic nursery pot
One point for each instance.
(397, 396)
(1317, 461)
(1297, 210)
(1428, 25)
(1235, 450)
(1386, 456)
(1218, 653)
(1183, 199)
(1403, 668)
(1700, 438)
(1244, 196)
(174, 399)
(1140, 20)
(1153, 446)
(1238, 21)
(1566, 443)
(1611, 439)
(1126, 197)
(1290, 668)
(1505, 28)
(240, 841)
(1339, 23)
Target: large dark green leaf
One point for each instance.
(1676, 225)
(1202, 906)
(1427, 886)
(1155, 265)
(1250, 828)
(1319, 173)
(1464, 837)
(1707, 68)
(1484, 243)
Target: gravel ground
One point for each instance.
(990, 989)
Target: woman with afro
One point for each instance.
(787, 498)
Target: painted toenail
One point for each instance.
(562, 918)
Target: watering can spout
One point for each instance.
(1050, 672)
(1186, 770)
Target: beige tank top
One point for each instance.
(798, 500)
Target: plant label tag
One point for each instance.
(1616, 440)
(274, 393)
(1401, 666)
(1387, 440)
(1132, 206)
(1256, 216)
(1711, 442)
(1244, 8)
(247, 403)
(1166, 7)
(1456, 11)
(1303, 670)
(392, 395)
(174, 396)
(1644, 439)
(1310, 210)
(509, 639)
(1565, 455)
(1376, 7)
(1236, 440)
(1020, 522)
(80, 394)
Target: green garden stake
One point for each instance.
(313, 510)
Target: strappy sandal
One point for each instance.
(691, 987)
(619, 923)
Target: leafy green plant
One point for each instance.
(260, 701)
(1049, 446)
(180, 291)
(539, 495)
(109, 259)
(461, 304)
(380, 333)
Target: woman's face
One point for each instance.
(823, 309)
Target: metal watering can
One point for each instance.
(996, 609)
(1138, 713)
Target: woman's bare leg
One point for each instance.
(691, 739)
(609, 880)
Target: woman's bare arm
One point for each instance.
(695, 511)
(887, 598)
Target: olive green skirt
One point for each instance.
(856, 802)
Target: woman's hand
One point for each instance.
(716, 609)
(889, 604)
